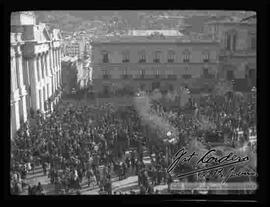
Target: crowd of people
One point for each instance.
(81, 142)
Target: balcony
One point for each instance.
(186, 76)
(156, 61)
(172, 77)
(106, 77)
(126, 77)
(105, 61)
(170, 60)
(208, 76)
(206, 60)
(125, 61)
(142, 61)
(140, 77)
(186, 61)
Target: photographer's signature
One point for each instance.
(213, 165)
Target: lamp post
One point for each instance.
(169, 133)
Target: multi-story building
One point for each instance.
(154, 61)
(74, 48)
(76, 73)
(238, 49)
(35, 68)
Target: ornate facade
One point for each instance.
(35, 68)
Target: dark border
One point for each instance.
(262, 10)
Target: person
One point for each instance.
(44, 167)
(39, 188)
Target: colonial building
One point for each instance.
(35, 68)
(153, 61)
(238, 49)
(75, 48)
(76, 73)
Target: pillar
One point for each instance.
(22, 89)
(46, 76)
(15, 116)
(33, 72)
(49, 73)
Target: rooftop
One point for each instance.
(229, 20)
(149, 32)
(194, 37)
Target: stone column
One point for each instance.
(22, 89)
(49, 73)
(46, 76)
(39, 68)
(15, 116)
(33, 72)
(14, 97)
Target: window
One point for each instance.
(106, 74)
(105, 57)
(125, 74)
(157, 57)
(230, 75)
(125, 57)
(142, 56)
(205, 56)
(228, 41)
(186, 56)
(186, 76)
(234, 42)
(171, 56)
(142, 73)
(157, 75)
(253, 43)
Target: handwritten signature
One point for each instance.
(213, 165)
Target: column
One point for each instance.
(39, 68)
(51, 68)
(15, 116)
(49, 73)
(46, 76)
(33, 72)
(41, 98)
(60, 67)
(23, 92)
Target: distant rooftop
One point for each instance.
(149, 32)
(194, 37)
(227, 19)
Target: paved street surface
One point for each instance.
(123, 186)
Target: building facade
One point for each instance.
(238, 50)
(76, 74)
(75, 48)
(35, 68)
(150, 62)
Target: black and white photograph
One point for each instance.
(133, 102)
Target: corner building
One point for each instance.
(35, 68)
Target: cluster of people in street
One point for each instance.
(83, 143)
